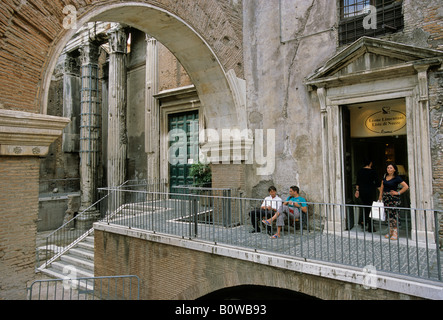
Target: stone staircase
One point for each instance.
(77, 262)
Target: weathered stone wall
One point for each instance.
(277, 99)
(282, 47)
(423, 24)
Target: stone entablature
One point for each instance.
(28, 134)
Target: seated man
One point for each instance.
(289, 210)
(269, 207)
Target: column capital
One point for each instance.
(117, 40)
(70, 65)
(89, 53)
(150, 39)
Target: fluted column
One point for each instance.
(152, 129)
(71, 103)
(117, 133)
(89, 125)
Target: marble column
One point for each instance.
(117, 133)
(89, 131)
(152, 130)
(71, 103)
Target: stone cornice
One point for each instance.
(28, 134)
(405, 60)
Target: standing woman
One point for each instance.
(391, 197)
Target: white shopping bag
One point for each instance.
(378, 211)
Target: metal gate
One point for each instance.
(91, 288)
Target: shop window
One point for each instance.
(370, 18)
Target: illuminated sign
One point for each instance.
(377, 119)
(386, 121)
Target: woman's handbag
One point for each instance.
(378, 211)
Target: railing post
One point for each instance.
(194, 214)
(437, 244)
(332, 244)
(226, 208)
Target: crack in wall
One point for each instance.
(304, 22)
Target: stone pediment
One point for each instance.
(369, 58)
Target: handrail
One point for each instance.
(223, 219)
(85, 288)
(72, 244)
(76, 238)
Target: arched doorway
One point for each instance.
(220, 94)
(254, 292)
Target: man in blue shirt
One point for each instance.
(291, 209)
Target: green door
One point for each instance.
(183, 147)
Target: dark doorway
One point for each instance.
(381, 147)
(254, 292)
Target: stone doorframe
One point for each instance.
(405, 77)
(179, 100)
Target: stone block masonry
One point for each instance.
(18, 215)
(178, 269)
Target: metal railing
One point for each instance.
(69, 234)
(320, 235)
(91, 288)
(73, 231)
(57, 186)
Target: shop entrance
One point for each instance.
(376, 131)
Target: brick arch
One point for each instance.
(255, 275)
(205, 35)
(255, 292)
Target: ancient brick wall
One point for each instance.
(18, 215)
(174, 272)
(424, 19)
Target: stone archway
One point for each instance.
(210, 65)
(32, 37)
(256, 292)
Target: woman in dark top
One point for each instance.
(391, 197)
(366, 186)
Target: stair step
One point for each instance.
(82, 253)
(55, 274)
(74, 271)
(75, 261)
(86, 245)
(89, 239)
